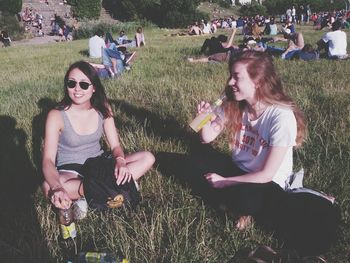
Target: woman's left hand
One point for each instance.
(121, 172)
(217, 181)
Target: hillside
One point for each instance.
(216, 11)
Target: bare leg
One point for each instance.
(70, 182)
(139, 163)
(114, 65)
(196, 60)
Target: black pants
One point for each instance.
(256, 199)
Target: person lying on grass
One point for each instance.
(231, 50)
(222, 53)
(73, 133)
(263, 125)
(217, 44)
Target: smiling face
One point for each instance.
(78, 95)
(242, 86)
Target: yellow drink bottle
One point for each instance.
(203, 118)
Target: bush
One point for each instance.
(174, 19)
(88, 28)
(165, 13)
(179, 13)
(10, 24)
(222, 3)
(253, 9)
(11, 6)
(132, 9)
(86, 9)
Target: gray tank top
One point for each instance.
(75, 148)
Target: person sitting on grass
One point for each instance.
(5, 39)
(195, 30)
(334, 42)
(123, 38)
(73, 133)
(295, 44)
(96, 44)
(263, 125)
(271, 27)
(140, 37)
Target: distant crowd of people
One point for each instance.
(32, 19)
(33, 22)
(260, 34)
(60, 28)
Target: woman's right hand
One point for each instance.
(60, 199)
(203, 106)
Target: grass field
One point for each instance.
(153, 104)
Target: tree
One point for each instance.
(165, 13)
(179, 13)
(132, 9)
(275, 7)
(86, 9)
(11, 6)
(253, 9)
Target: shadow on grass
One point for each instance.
(187, 169)
(21, 239)
(84, 52)
(38, 132)
(283, 213)
(196, 52)
(165, 128)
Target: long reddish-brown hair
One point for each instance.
(264, 75)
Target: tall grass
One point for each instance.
(153, 104)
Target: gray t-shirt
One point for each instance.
(75, 148)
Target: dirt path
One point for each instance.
(36, 41)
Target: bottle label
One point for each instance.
(94, 257)
(68, 231)
(198, 123)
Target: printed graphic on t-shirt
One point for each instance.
(250, 141)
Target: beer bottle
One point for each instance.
(99, 257)
(67, 224)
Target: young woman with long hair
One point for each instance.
(73, 132)
(263, 125)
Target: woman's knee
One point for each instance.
(148, 158)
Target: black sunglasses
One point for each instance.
(84, 85)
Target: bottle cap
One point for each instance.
(220, 100)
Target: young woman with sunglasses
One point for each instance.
(263, 125)
(72, 134)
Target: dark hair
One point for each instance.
(336, 25)
(222, 38)
(246, 40)
(99, 33)
(308, 48)
(4, 34)
(98, 100)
